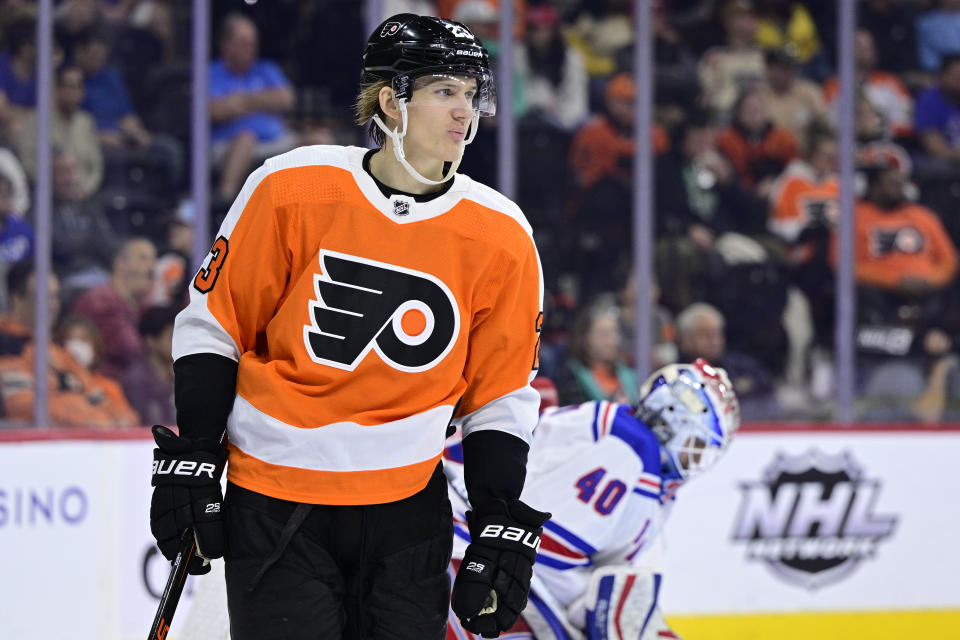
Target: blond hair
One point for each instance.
(367, 105)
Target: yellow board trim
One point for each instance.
(844, 625)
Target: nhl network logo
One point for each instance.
(811, 519)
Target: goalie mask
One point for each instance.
(693, 411)
(415, 52)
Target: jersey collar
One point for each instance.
(398, 206)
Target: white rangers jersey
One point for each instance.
(606, 492)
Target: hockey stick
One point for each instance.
(171, 593)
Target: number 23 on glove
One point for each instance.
(491, 587)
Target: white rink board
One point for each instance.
(76, 556)
(909, 481)
(77, 559)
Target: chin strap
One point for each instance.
(397, 138)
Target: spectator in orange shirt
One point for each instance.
(758, 149)
(804, 197)
(803, 212)
(901, 246)
(884, 90)
(79, 337)
(77, 397)
(905, 268)
(604, 146)
(601, 158)
(905, 261)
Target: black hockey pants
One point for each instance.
(317, 572)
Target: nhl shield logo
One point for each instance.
(811, 518)
(400, 207)
(389, 29)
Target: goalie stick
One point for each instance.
(171, 593)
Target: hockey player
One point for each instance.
(610, 473)
(355, 303)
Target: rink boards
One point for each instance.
(819, 534)
(808, 533)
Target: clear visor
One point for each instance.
(474, 91)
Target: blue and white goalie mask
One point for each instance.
(693, 411)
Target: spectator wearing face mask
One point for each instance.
(80, 338)
(78, 397)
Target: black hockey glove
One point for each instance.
(187, 495)
(492, 584)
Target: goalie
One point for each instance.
(609, 474)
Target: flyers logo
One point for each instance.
(409, 318)
(389, 29)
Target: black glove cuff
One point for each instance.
(508, 526)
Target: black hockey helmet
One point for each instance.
(407, 46)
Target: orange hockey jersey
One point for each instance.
(360, 322)
(910, 241)
(798, 198)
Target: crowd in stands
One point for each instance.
(745, 187)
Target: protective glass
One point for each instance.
(467, 88)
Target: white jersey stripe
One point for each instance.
(342, 446)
